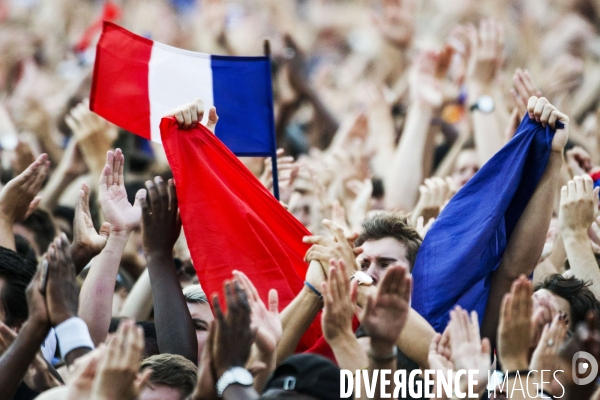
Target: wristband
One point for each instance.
(388, 357)
(315, 291)
(513, 374)
(73, 334)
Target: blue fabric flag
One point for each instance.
(466, 243)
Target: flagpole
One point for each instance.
(275, 172)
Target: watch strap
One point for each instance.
(228, 378)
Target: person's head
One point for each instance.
(38, 229)
(304, 377)
(15, 275)
(173, 377)
(387, 239)
(559, 295)
(466, 166)
(201, 313)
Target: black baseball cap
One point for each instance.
(307, 374)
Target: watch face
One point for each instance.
(242, 376)
(485, 104)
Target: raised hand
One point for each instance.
(546, 114)
(232, 334)
(469, 351)
(264, 321)
(92, 134)
(190, 114)
(385, 313)
(514, 329)
(339, 296)
(118, 368)
(546, 355)
(395, 20)
(87, 242)
(82, 374)
(62, 291)
(18, 198)
(425, 87)
(487, 47)
(523, 89)
(579, 161)
(578, 206)
(122, 216)
(287, 173)
(161, 215)
(433, 195)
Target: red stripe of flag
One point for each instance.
(120, 84)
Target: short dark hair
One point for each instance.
(395, 225)
(172, 370)
(575, 291)
(16, 274)
(41, 224)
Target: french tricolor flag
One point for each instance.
(136, 81)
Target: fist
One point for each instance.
(545, 113)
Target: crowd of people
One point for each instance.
(384, 111)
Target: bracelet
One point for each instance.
(513, 374)
(387, 357)
(315, 291)
(73, 334)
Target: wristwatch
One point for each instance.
(234, 375)
(484, 104)
(362, 278)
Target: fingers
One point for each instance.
(273, 301)
(213, 118)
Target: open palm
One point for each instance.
(122, 216)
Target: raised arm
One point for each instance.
(487, 46)
(340, 304)
(578, 210)
(174, 326)
(95, 300)
(406, 172)
(527, 240)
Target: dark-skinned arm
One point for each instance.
(527, 240)
(174, 326)
(16, 360)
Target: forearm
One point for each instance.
(95, 299)
(16, 360)
(581, 258)
(138, 304)
(327, 124)
(348, 352)
(175, 330)
(7, 238)
(415, 338)
(377, 353)
(487, 130)
(525, 246)
(270, 361)
(406, 173)
(295, 320)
